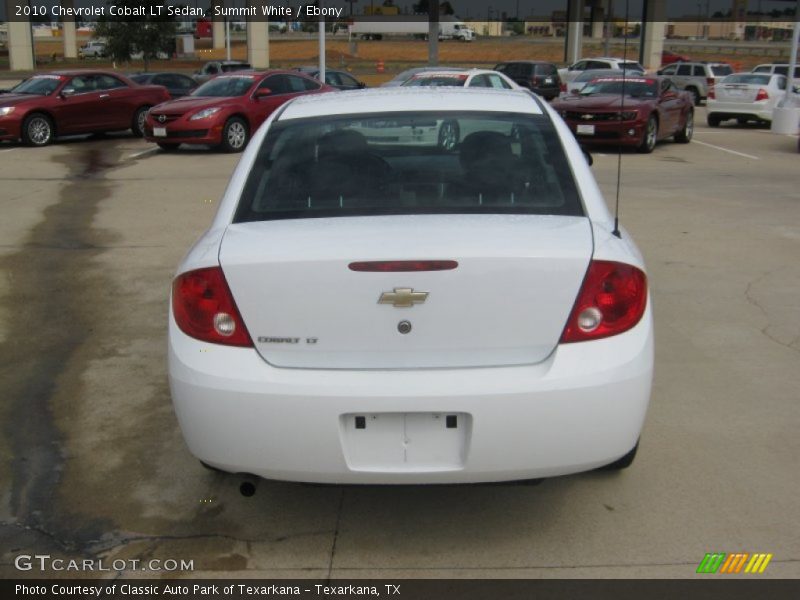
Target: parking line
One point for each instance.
(143, 153)
(696, 141)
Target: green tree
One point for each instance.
(126, 36)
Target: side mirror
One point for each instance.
(67, 92)
(263, 93)
(587, 156)
(575, 92)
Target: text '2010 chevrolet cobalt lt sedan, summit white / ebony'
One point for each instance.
(369, 309)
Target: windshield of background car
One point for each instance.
(410, 163)
(40, 85)
(631, 66)
(720, 70)
(636, 88)
(748, 78)
(437, 80)
(226, 85)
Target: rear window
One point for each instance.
(631, 66)
(720, 70)
(436, 80)
(753, 78)
(410, 163)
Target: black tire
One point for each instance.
(449, 135)
(623, 462)
(168, 147)
(684, 136)
(139, 117)
(650, 136)
(38, 130)
(696, 99)
(235, 135)
(713, 120)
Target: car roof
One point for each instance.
(454, 72)
(527, 62)
(76, 72)
(411, 99)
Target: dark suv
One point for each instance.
(539, 77)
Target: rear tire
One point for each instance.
(449, 135)
(684, 136)
(650, 136)
(38, 130)
(139, 117)
(622, 463)
(713, 120)
(234, 135)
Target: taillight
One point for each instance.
(711, 94)
(710, 81)
(563, 87)
(204, 308)
(762, 95)
(612, 300)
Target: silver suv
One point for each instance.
(696, 77)
(780, 69)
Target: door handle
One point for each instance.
(104, 95)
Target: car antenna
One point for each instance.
(616, 231)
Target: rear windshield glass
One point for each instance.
(631, 66)
(720, 70)
(748, 78)
(636, 88)
(436, 80)
(402, 163)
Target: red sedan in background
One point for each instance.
(636, 111)
(71, 102)
(667, 58)
(225, 111)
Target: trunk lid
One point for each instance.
(737, 92)
(506, 303)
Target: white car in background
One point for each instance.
(569, 73)
(470, 78)
(367, 313)
(746, 97)
(576, 85)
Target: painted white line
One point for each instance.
(144, 153)
(696, 141)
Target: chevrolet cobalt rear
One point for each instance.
(367, 310)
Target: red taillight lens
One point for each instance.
(612, 300)
(710, 81)
(712, 95)
(762, 95)
(563, 87)
(204, 308)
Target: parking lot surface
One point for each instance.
(95, 466)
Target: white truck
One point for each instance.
(449, 28)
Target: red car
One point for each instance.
(667, 58)
(225, 111)
(636, 111)
(70, 102)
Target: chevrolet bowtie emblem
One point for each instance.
(402, 297)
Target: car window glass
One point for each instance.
(332, 78)
(685, 70)
(720, 70)
(165, 80)
(480, 81)
(782, 70)
(212, 69)
(395, 163)
(183, 82)
(597, 64)
(277, 84)
(348, 81)
(699, 71)
(82, 84)
(142, 79)
(669, 70)
(762, 69)
(301, 84)
(497, 82)
(579, 66)
(781, 83)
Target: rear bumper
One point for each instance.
(581, 408)
(732, 110)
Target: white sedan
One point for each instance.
(480, 78)
(745, 97)
(370, 313)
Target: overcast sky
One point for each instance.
(482, 8)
